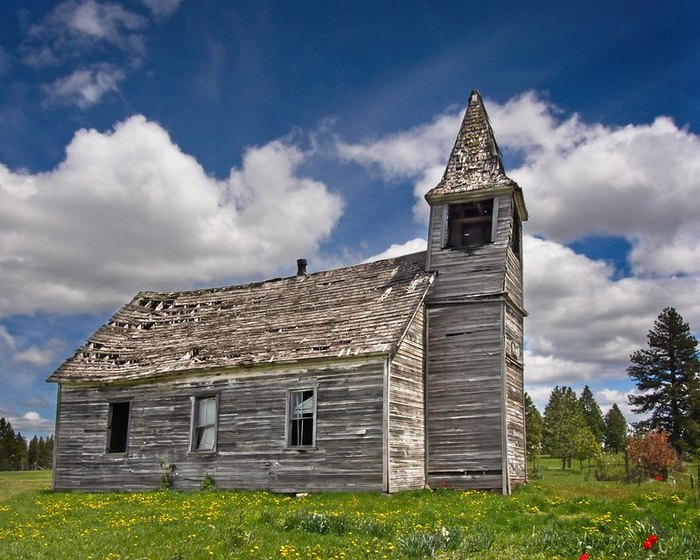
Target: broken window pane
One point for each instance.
(470, 224)
(118, 427)
(302, 412)
(204, 424)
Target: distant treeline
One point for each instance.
(18, 455)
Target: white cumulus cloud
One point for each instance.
(636, 181)
(581, 313)
(127, 210)
(397, 249)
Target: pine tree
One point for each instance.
(615, 430)
(33, 452)
(20, 455)
(667, 375)
(593, 414)
(7, 446)
(46, 453)
(563, 420)
(533, 430)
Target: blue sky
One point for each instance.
(166, 144)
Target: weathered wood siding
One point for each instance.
(475, 429)
(474, 272)
(514, 278)
(465, 395)
(515, 405)
(406, 411)
(251, 449)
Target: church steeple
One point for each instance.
(475, 162)
(475, 313)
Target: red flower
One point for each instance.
(652, 539)
(647, 545)
(584, 556)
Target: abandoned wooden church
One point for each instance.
(387, 376)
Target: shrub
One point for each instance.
(651, 454)
(610, 467)
(208, 483)
(168, 474)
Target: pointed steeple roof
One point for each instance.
(475, 162)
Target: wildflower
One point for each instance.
(584, 556)
(650, 542)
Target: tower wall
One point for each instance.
(475, 428)
(466, 274)
(465, 395)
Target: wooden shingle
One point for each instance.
(475, 161)
(362, 309)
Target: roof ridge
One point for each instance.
(255, 283)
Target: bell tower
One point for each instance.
(474, 381)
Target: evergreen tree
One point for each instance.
(593, 414)
(20, 456)
(33, 452)
(615, 430)
(667, 375)
(13, 448)
(585, 445)
(7, 446)
(533, 430)
(45, 460)
(563, 419)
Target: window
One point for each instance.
(301, 407)
(204, 419)
(118, 427)
(516, 239)
(470, 224)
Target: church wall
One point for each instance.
(251, 450)
(406, 411)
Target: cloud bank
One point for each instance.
(127, 210)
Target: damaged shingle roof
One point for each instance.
(361, 309)
(475, 162)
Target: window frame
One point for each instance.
(486, 224)
(291, 420)
(125, 427)
(195, 426)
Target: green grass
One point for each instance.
(558, 517)
(17, 483)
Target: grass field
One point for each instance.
(561, 516)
